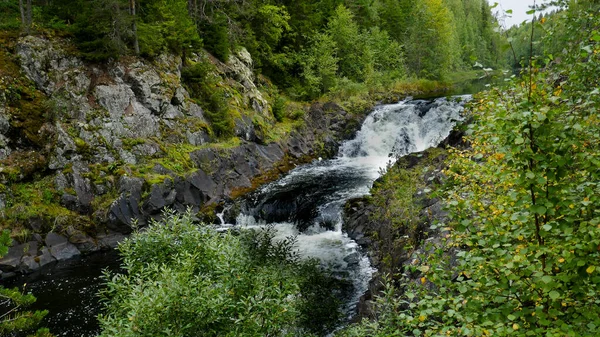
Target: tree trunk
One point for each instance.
(136, 44)
(22, 12)
(29, 16)
(193, 10)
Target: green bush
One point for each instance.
(216, 37)
(186, 280)
(279, 108)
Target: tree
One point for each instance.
(132, 11)
(430, 53)
(320, 64)
(345, 33)
(26, 15)
(103, 29)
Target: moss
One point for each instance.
(194, 124)
(38, 200)
(21, 165)
(129, 143)
(395, 222)
(82, 148)
(104, 201)
(282, 130)
(27, 105)
(177, 157)
(155, 178)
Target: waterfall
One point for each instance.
(307, 203)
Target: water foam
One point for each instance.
(389, 132)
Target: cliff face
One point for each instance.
(85, 149)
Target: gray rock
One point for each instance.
(179, 97)
(188, 195)
(203, 183)
(29, 264)
(240, 69)
(161, 195)
(64, 150)
(69, 201)
(59, 247)
(60, 181)
(4, 122)
(64, 251)
(244, 128)
(172, 112)
(126, 208)
(49, 66)
(110, 240)
(45, 257)
(148, 88)
(116, 99)
(83, 189)
(53, 239)
(195, 110)
(12, 259)
(197, 138)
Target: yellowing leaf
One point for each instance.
(561, 260)
(422, 318)
(590, 269)
(423, 280)
(515, 326)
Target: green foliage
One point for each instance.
(279, 108)
(431, 40)
(521, 252)
(344, 32)
(216, 38)
(320, 65)
(182, 280)
(203, 85)
(306, 47)
(167, 25)
(5, 242)
(9, 15)
(103, 29)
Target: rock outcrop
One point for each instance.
(392, 250)
(113, 144)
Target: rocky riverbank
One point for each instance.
(87, 149)
(394, 223)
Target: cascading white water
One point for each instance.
(315, 193)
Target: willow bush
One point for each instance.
(182, 279)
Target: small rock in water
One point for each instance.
(352, 259)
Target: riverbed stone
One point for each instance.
(65, 251)
(161, 195)
(45, 257)
(110, 239)
(60, 247)
(28, 264)
(12, 259)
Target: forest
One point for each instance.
(523, 194)
(306, 48)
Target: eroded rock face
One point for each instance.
(240, 68)
(111, 122)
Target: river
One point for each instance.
(306, 203)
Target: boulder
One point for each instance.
(12, 259)
(60, 248)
